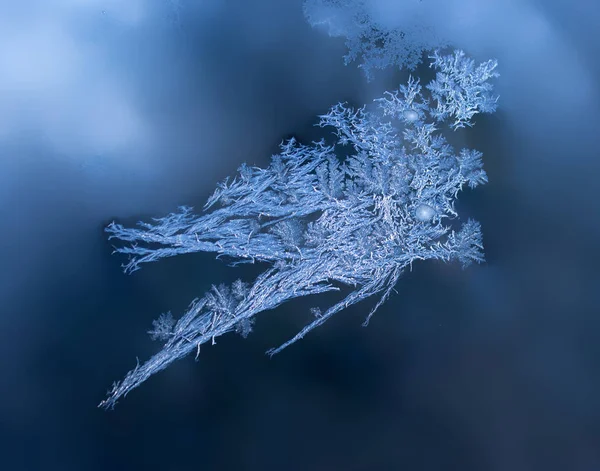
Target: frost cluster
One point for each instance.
(373, 43)
(352, 214)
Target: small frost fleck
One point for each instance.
(410, 115)
(424, 213)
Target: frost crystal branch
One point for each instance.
(322, 222)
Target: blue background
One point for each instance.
(126, 111)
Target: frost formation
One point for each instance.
(374, 44)
(322, 222)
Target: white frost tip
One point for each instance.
(424, 213)
(410, 115)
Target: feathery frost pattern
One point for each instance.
(321, 222)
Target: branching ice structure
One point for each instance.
(374, 44)
(322, 222)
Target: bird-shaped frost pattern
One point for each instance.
(353, 214)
